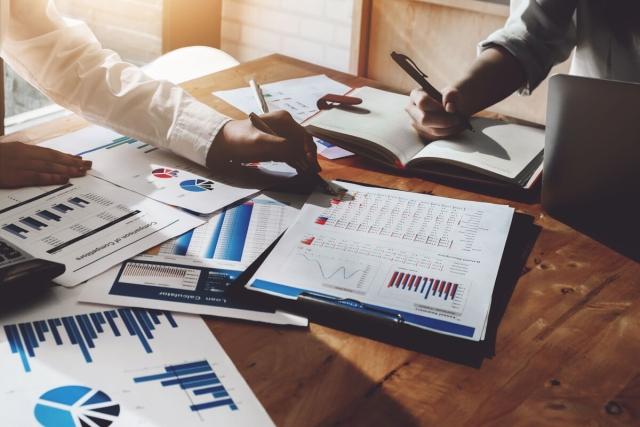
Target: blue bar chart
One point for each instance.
(84, 330)
(197, 378)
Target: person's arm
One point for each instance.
(64, 60)
(537, 35)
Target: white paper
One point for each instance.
(393, 250)
(193, 272)
(297, 96)
(502, 148)
(330, 151)
(89, 225)
(147, 170)
(103, 377)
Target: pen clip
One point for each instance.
(400, 57)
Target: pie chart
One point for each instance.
(165, 173)
(72, 406)
(197, 185)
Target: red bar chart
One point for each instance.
(426, 289)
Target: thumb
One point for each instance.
(450, 100)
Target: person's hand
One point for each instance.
(239, 141)
(432, 120)
(23, 165)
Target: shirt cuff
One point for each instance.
(534, 73)
(195, 129)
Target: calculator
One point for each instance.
(22, 274)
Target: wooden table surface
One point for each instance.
(567, 349)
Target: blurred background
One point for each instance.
(355, 36)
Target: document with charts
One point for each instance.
(297, 96)
(431, 260)
(147, 170)
(65, 364)
(193, 273)
(89, 225)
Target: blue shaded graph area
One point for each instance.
(197, 378)
(83, 331)
(230, 235)
(72, 406)
(182, 243)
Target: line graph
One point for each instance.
(332, 272)
(345, 275)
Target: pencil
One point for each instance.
(257, 91)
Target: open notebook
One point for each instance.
(380, 129)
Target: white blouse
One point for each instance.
(543, 33)
(63, 59)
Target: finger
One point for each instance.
(312, 153)
(437, 133)
(442, 120)
(30, 178)
(420, 99)
(47, 154)
(450, 100)
(54, 168)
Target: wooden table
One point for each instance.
(567, 349)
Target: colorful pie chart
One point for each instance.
(72, 406)
(165, 173)
(197, 185)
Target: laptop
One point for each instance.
(592, 155)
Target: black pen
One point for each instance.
(420, 77)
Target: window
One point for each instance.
(133, 28)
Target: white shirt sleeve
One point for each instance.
(64, 60)
(540, 34)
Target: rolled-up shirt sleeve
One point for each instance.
(64, 60)
(539, 34)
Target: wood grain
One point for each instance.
(566, 352)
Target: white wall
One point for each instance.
(317, 31)
(133, 28)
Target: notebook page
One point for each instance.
(386, 123)
(502, 148)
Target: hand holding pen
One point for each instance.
(434, 114)
(303, 152)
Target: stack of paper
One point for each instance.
(430, 261)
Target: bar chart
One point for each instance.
(199, 380)
(84, 331)
(425, 289)
(172, 276)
